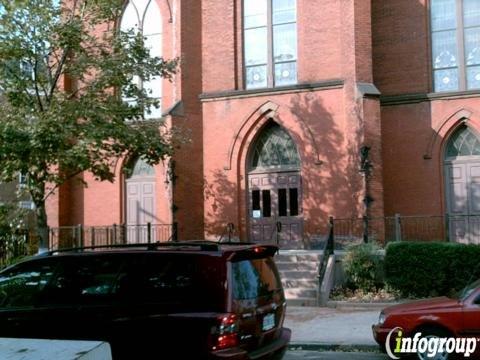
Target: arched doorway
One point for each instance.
(275, 189)
(462, 185)
(139, 201)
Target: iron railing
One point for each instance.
(84, 236)
(455, 228)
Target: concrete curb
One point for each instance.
(334, 347)
(350, 305)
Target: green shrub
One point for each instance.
(430, 269)
(12, 235)
(363, 267)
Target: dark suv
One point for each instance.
(191, 300)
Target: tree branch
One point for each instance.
(57, 185)
(63, 58)
(35, 81)
(17, 77)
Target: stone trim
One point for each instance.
(368, 89)
(240, 94)
(390, 100)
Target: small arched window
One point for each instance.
(273, 149)
(144, 16)
(463, 142)
(139, 168)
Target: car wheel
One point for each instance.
(432, 333)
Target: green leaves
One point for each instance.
(421, 269)
(363, 267)
(63, 70)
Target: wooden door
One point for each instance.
(473, 193)
(140, 209)
(275, 210)
(463, 201)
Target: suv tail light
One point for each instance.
(225, 333)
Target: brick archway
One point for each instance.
(274, 188)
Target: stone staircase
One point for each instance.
(299, 272)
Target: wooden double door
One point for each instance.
(275, 208)
(140, 209)
(463, 200)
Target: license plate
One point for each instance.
(268, 322)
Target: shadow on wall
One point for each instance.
(220, 198)
(334, 187)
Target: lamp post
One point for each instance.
(366, 169)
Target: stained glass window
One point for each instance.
(274, 149)
(463, 142)
(451, 42)
(144, 16)
(270, 43)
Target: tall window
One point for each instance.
(270, 43)
(144, 16)
(455, 28)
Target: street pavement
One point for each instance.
(318, 355)
(326, 326)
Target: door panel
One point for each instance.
(273, 198)
(140, 209)
(463, 200)
(474, 202)
(457, 202)
(471, 318)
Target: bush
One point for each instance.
(12, 235)
(430, 269)
(363, 267)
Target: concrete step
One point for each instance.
(302, 302)
(296, 257)
(300, 283)
(300, 293)
(288, 266)
(298, 274)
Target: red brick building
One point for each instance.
(281, 98)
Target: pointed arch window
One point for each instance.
(144, 16)
(463, 142)
(139, 168)
(274, 149)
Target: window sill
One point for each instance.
(239, 94)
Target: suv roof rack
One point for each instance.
(203, 245)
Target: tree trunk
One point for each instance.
(42, 226)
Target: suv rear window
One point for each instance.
(254, 278)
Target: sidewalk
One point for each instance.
(327, 328)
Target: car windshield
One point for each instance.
(467, 290)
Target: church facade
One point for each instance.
(298, 110)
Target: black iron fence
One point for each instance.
(455, 228)
(82, 236)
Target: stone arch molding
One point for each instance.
(449, 124)
(256, 120)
